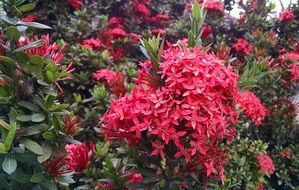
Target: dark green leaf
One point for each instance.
(36, 129)
(24, 118)
(37, 177)
(47, 153)
(9, 164)
(29, 106)
(34, 25)
(26, 7)
(35, 44)
(6, 60)
(12, 33)
(39, 117)
(32, 146)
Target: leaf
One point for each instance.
(26, 7)
(46, 154)
(65, 180)
(36, 60)
(35, 44)
(29, 106)
(37, 177)
(34, 25)
(6, 60)
(4, 124)
(49, 185)
(36, 129)
(10, 137)
(22, 58)
(9, 165)
(12, 33)
(32, 146)
(39, 117)
(50, 136)
(24, 118)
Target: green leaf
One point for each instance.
(24, 118)
(4, 124)
(22, 58)
(34, 25)
(12, 33)
(6, 60)
(50, 136)
(26, 7)
(36, 60)
(32, 146)
(39, 117)
(65, 180)
(35, 44)
(29, 106)
(49, 185)
(36, 129)
(9, 165)
(37, 177)
(47, 153)
(10, 137)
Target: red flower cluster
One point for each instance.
(29, 18)
(242, 46)
(92, 43)
(213, 5)
(158, 31)
(286, 16)
(266, 164)
(206, 31)
(142, 10)
(78, 156)
(114, 80)
(53, 50)
(192, 111)
(76, 4)
(260, 186)
(252, 106)
(136, 178)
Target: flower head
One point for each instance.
(286, 16)
(76, 4)
(92, 43)
(241, 46)
(78, 156)
(206, 31)
(213, 6)
(136, 178)
(252, 106)
(55, 167)
(266, 164)
(114, 80)
(29, 18)
(71, 125)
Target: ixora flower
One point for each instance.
(29, 18)
(266, 164)
(55, 53)
(213, 6)
(56, 166)
(252, 106)
(114, 80)
(136, 178)
(71, 125)
(286, 16)
(78, 156)
(92, 43)
(76, 4)
(206, 31)
(194, 105)
(241, 46)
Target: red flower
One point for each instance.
(136, 178)
(286, 16)
(158, 31)
(266, 164)
(160, 18)
(180, 110)
(214, 5)
(252, 106)
(206, 31)
(117, 53)
(285, 154)
(71, 125)
(114, 80)
(118, 33)
(29, 18)
(142, 10)
(134, 38)
(242, 46)
(115, 22)
(78, 156)
(76, 4)
(93, 43)
(294, 72)
(55, 53)
(55, 167)
(260, 186)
